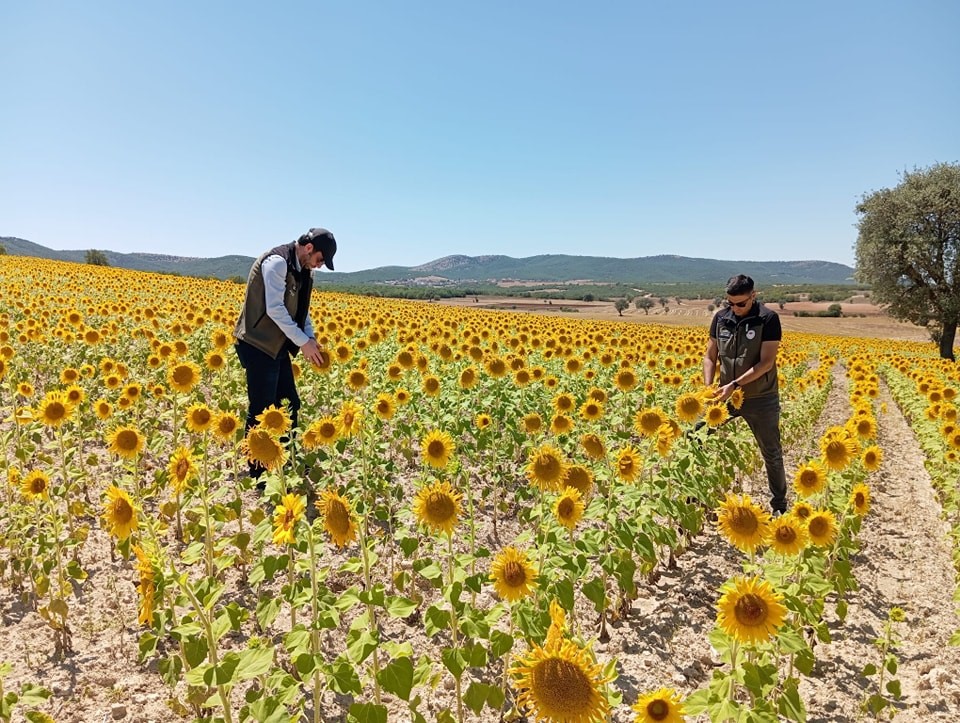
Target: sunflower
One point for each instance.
(625, 380)
(716, 414)
(262, 449)
(838, 448)
(337, 515)
(954, 440)
(735, 400)
(743, 523)
(560, 682)
(182, 469)
(146, 587)
(802, 511)
(580, 478)
(749, 610)
(863, 427)
(512, 574)
(629, 464)
(787, 535)
(561, 424)
(285, 518)
(647, 421)
(323, 432)
(102, 408)
(569, 507)
(593, 446)
(666, 436)
(436, 449)
(35, 484)
(482, 421)
(126, 442)
(119, 513)
(662, 706)
(74, 394)
(563, 402)
(199, 418)
(496, 367)
(468, 377)
(810, 479)
(402, 396)
(437, 507)
(274, 420)
(357, 379)
(822, 528)
(183, 376)
(860, 499)
(689, 407)
(591, 410)
(54, 409)
(350, 419)
(225, 426)
(532, 423)
(546, 467)
(872, 458)
(25, 389)
(431, 385)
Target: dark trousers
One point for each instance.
(762, 415)
(269, 381)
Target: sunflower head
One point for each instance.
(787, 535)
(263, 449)
(872, 458)
(321, 433)
(750, 611)
(436, 449)
(743, 523)
(647, 421)
(569, 507)
(581, 479)
(385, 406)
(838, 448)
(629, 464)
(512, 574)
(182, 469)
(716, 415)
(274, 420)
(735, 400)
(126, 442)
(546, 467)
(199, 418)
(625, 380)
(437, 507)
(54, 409)
(662, 706)
(225, 426)
(119, 513)
(689, 407)
(285, 518)
(560, 683)
(337, 513)
(350, 419)
(860, 499)
(810, 479)
(532, 423)
(35, 485)
(561, 424)
(822, 528)
(183, 376)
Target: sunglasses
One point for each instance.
(738, 304)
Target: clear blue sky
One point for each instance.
(413, 130)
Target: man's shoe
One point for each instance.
(778, 513)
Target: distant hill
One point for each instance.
(460, 269)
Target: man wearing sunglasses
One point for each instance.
(275, 322)
(744, 338)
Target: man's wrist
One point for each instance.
(736, 384)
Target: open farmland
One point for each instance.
(484, 515)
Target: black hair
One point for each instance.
(739, 284)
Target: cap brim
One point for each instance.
(328, 263)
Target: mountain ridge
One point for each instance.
(462, 269)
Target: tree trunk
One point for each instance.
(947, 339)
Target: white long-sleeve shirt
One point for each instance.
(274, 269)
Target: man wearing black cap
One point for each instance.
(275, 322)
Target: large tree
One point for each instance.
(908, 249)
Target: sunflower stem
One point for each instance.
(314, 625)
(371, 611)
(454, 626)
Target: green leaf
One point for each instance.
(476, 696)
(790, 704)
(876, 703)
(400, 607)
(367, 713)
(436, 620)
(454, 661)
(595, 592)
(500, 643)
(841, 609)
(253, 663)
(31, 694)
(195, 651)
(868, 670)
(759, 679)
(268, 607)
(397, 677)
(891, 664)
(893, 688)
(409, 545)
(75, 571)
(360, 644)
(342, 677)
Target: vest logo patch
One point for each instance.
(751, 333)
(724, 333)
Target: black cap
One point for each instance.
(322, 240)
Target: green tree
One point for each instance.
(620, 305)
(645, 303)
(3, 250)
(95, 258)
(908, 249)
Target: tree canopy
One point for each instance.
(908, 249)
(96, 258)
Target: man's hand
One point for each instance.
(724, 392)
(311, 352)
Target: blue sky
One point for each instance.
(414, 130)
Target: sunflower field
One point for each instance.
(461, 521)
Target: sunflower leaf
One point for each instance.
(397, 677)
(367, 713)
